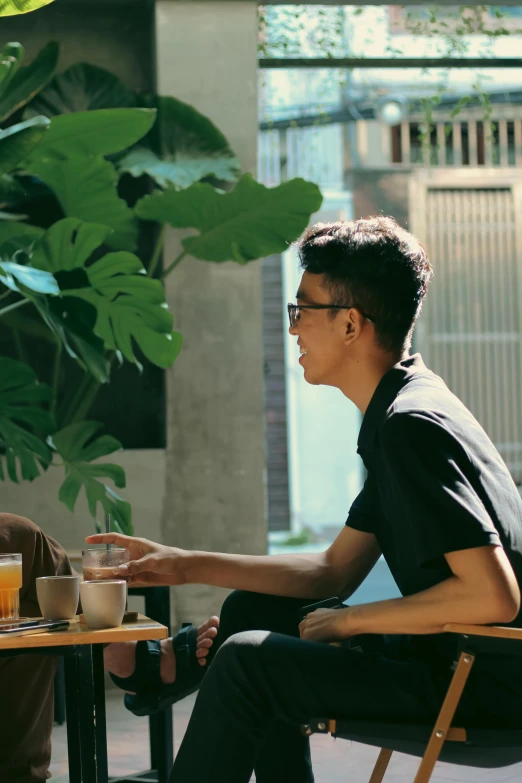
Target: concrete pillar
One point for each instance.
(215, 487)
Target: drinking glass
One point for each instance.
(10, 584)
(101, 563)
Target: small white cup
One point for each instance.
(58, 596)
(103, 603)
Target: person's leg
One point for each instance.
(26, 682)
(284, 747)
(260, 678)
(121, 658)
(27, 714)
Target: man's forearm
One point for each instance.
(294, 576)
(426, 612)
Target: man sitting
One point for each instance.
(438, 503)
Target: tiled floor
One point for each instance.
(335, 761)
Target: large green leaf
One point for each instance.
(70, 320)
(183, 147)
(250, 222)
(12, 7)
(87, 189)
(79, 445)
(28, 80)
(82, 87)
(68, 244)
(20, 416)
(129, 305)
(89, 133)
(19, 140)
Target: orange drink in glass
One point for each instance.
(10, 584)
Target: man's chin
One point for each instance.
(312, 379)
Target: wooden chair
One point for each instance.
(473, 747)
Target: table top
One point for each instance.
(79, 633)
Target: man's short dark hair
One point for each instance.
(374, 264)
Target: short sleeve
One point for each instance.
(436, 486)
(364, 509)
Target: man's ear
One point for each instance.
(353, 323)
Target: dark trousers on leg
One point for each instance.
(264, 682)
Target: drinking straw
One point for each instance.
(108, 528)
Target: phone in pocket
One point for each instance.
(328, 603)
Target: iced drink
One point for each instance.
(101, 564)
(10, 584)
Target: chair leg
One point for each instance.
(444, 718)
(381, 765)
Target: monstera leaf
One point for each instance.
(20, 416)
(82, 87)
(95, 200)
(183, 147)
(129, 305)
(19, 140)
(250, 222)
(25, 82)
(78, 445)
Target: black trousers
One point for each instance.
(264, 682)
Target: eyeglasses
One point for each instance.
(293, 311)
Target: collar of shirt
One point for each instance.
(384, 395)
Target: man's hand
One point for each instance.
(150, 563)
(326, 625)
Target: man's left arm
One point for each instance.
(447, 520)
(482, 590)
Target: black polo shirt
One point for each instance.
(435, 483)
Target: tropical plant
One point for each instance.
(71, 272)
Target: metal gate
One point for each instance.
(470, 331)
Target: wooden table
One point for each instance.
(84, 685)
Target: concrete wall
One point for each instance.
(215, 491)
(145, 490)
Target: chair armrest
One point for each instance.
(496, 631)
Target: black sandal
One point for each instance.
(146, 674)
(189, 674)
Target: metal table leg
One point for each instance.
(73, 723)
(161, 745)
(91, 712)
